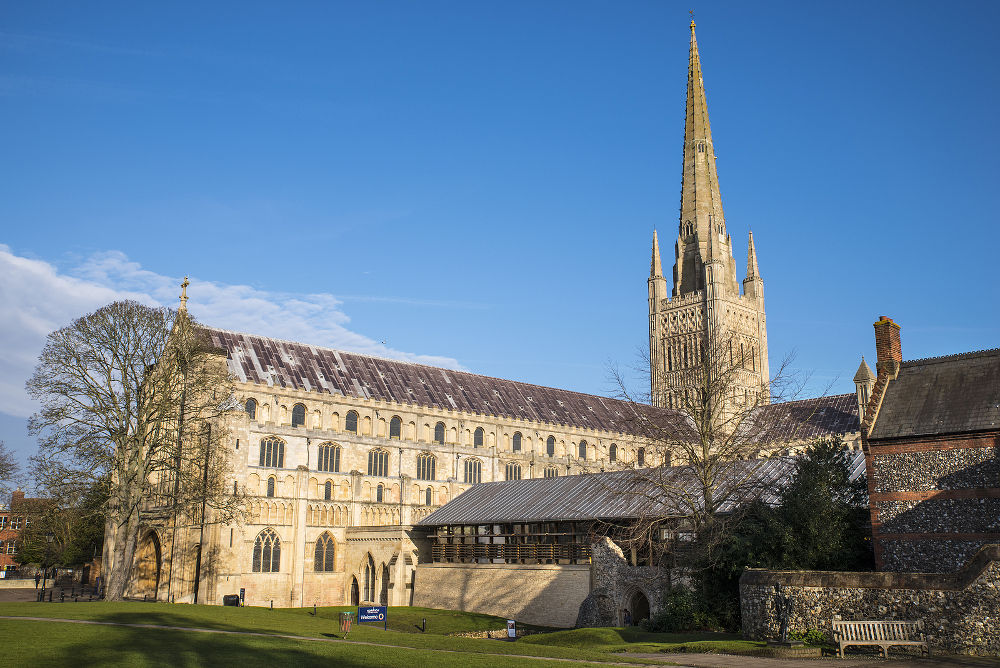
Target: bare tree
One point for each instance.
(8, 468)
(709, 451)
(136, 394)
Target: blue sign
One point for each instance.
(374, 613)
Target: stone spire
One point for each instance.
(655, 266)
(752, 270)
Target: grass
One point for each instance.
(29, 643)
(637, 640)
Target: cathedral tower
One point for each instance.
(705, 312)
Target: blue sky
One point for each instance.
(475, 184)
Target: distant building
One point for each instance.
(14, 517)
(932, 435)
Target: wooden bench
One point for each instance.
(884, 634)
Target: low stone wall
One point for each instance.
(542, 594)
(19, 583)
(960, 611)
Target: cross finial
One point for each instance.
(184, 294)
(691, 12)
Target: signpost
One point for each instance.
(374, 613)
(511, 630)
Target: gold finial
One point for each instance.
(184, 294)
(691, 12)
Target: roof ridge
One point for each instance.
(802, 401)
(987, 352)
(426, 366)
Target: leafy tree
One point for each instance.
(136, 396)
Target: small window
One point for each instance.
(583, 450)
(395, 427)
(613, 453)
(251, 408)
(428, 496)
(473, 471)
(512, 471)
(517, 442)
(328, 458)
(270, 486)
(328, 491)
(378, 463)
(640, 457)
(551, 472)
(351, 422)
(272, 452)
(439, 433)
(550, 446)
(425, 466)
(477, 437)
(325, 549)
(298, 415)
(379, 493)
(267, 552)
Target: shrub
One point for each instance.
(680, 610)
(809, 636)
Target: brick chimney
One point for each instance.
(888, 353)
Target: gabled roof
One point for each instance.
(942, 395)
(273, 362)
(613, 495)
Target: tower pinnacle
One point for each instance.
(184, 295)
(656, 267)
(752, 270)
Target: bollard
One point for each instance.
(50, 596)
(62, 597)
(272, 604)
(423, 625)
(314, 609)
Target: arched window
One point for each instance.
(550, 446)
(270, 486)
(439, 433)
(473, 471)
(267, 552)
(395, 427)
(378, 463)
(328, 491)
(428, 496)
(251, 408)
(583, 449)
(516, 447)
(351, 422)
(512, 471)
(325, 549)
(370, 579)
(298, 415)
(329, 458)
(551, 472)
(613, 453)
(272, 452)
(425, 466)
(477, 437)
(379, 493)
(640, 457)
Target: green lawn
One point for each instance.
(636, 640)
(29, 643)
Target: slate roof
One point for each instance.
(612, 495)
(942, 395)
(274, 362)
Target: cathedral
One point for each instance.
(343, 455)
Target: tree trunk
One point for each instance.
(121, 568)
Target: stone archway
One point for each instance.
(355, 592)
(149, 563)
(638, 607)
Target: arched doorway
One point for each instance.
(638, 605)
(383, 598)
(355, 592)
(147, 567)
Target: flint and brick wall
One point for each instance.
(934, 501)
(543, 594)
(960, 610)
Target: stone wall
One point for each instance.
(960, 610)
(615, 583)
(934, 501)
(544, 594)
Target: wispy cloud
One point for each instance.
(37, 298)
